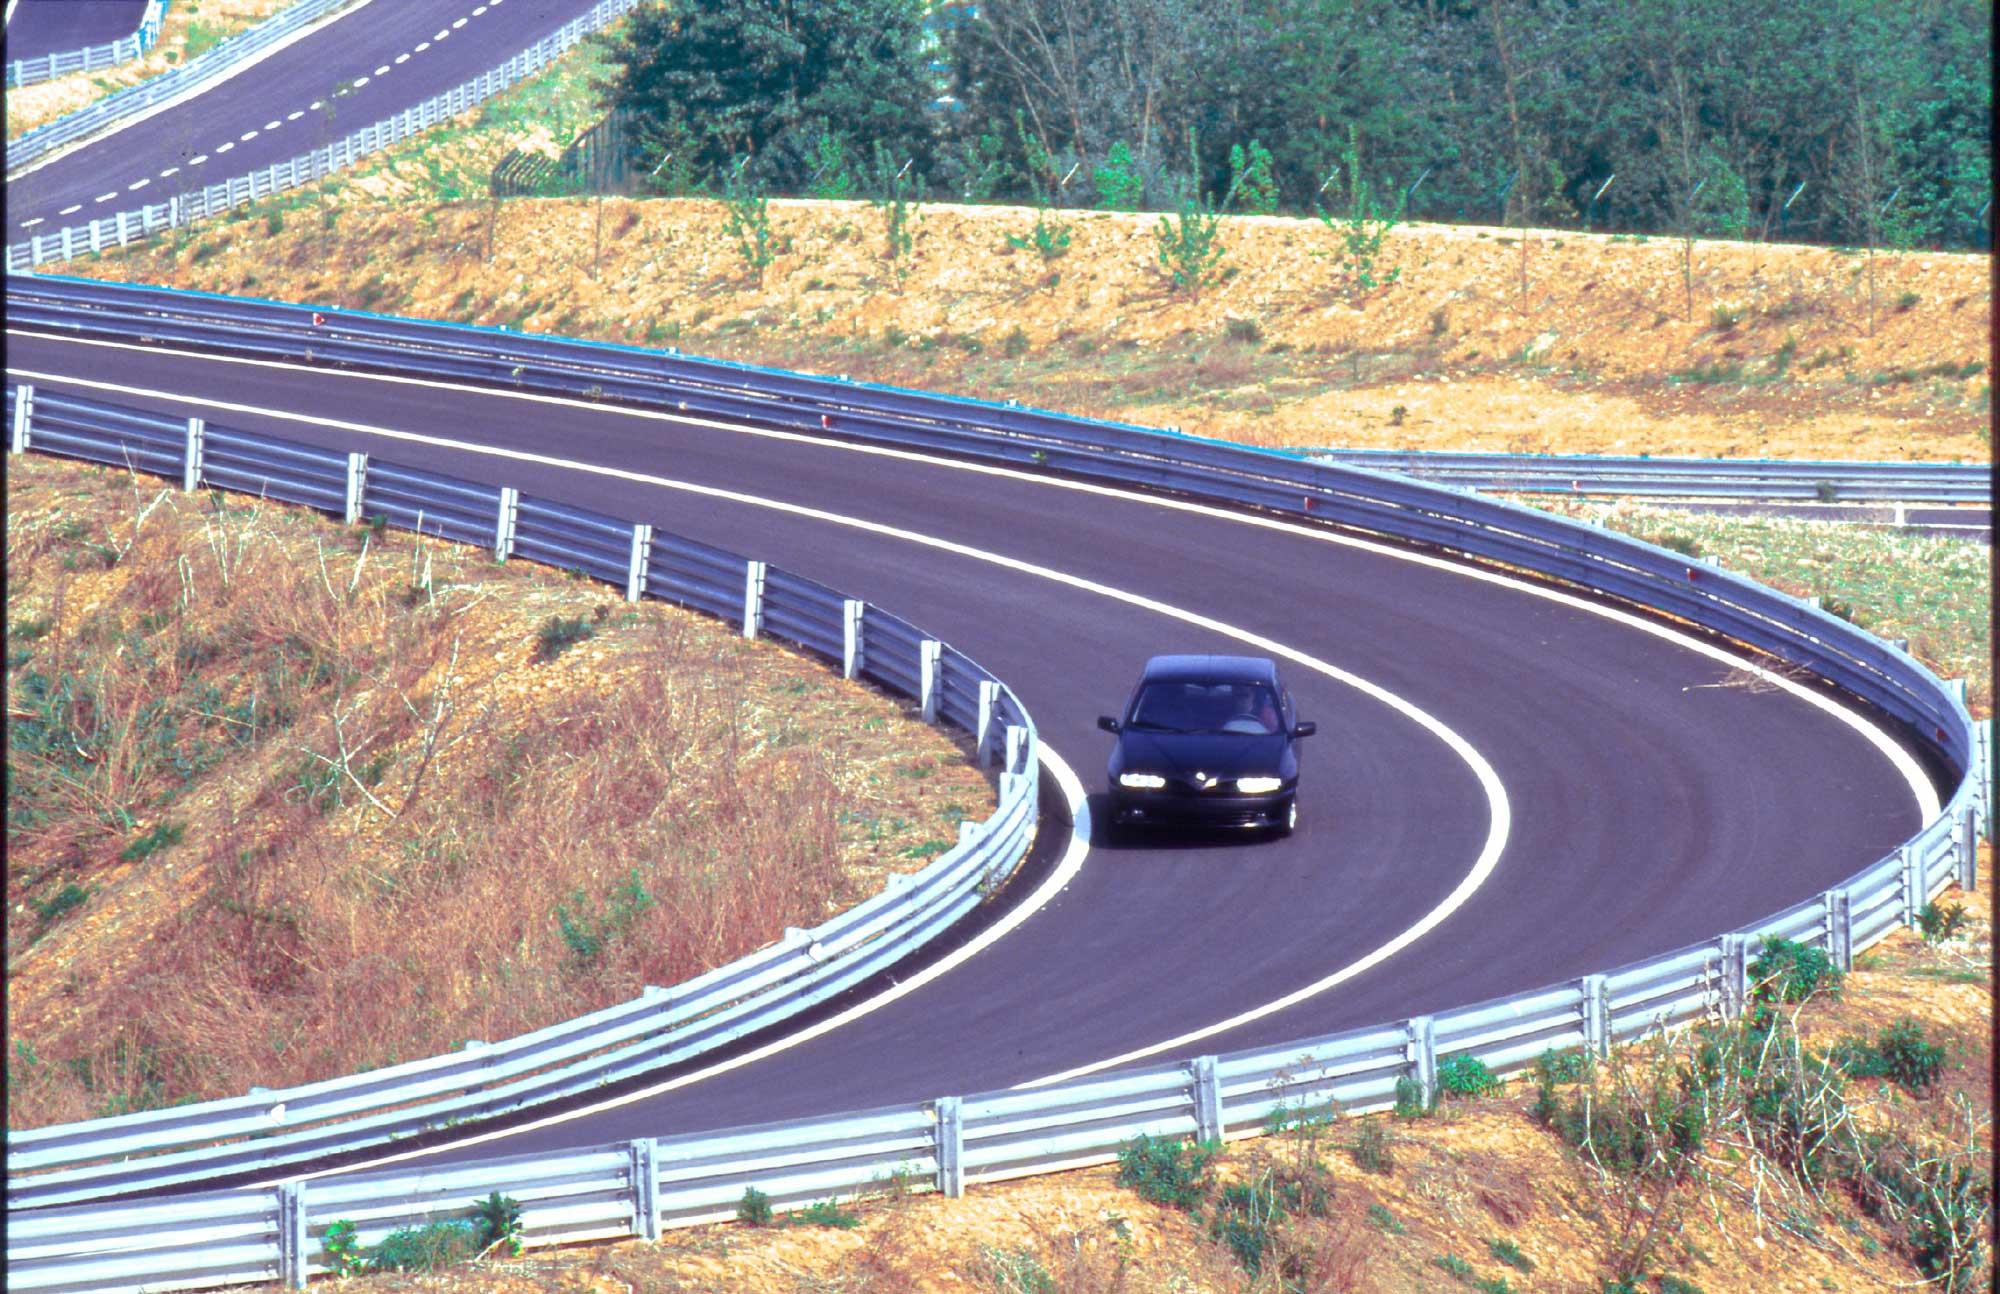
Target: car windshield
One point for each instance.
(1183, 705)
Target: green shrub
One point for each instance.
(1165, 1170)
(1788, 972)
(426, 1248)
(341, 1250)
(1510, 1253)
(1011, 1271)
(1248, 331)
(1900, 1054)
(1384, 1219)
(557, 635)
(827, 1213)
(1371, 1148)
(1049, 239)
(1466, 1076)
(163, 835)
(749, 220)
(1190, 248)
(498, 1219)
(71, 895)
(1410, 1102)
(754, 1208)
(1119, 185)
(1940, 921)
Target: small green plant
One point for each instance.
(1396, 415)
(1826, 491)
(1165, 1170)
(1672, 1284)
(163, 835)
(1510, 1253)
(827, 1213)
(754, 1208)
(1900, 1053)
(1371, 1148)
(898, 195)
(498, 1219)
(69, 897)
(1011, 1271)
(1908, 301)
(1049, 239)
(1362, 232)
(1724, 318)
(1119, 185)
(1410, 1103)
(830, 179)
(341, 1250)
(1940, 921)
(1015, 343)
(1465, 1077)
(426, 1248)
(274, 221)
(748, 219)
(1788, 972)
(1252, 176)
(558, 634)
(1384, 1219)
(1454, 1266)
(1247, 331)
(588, 929)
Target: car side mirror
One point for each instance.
(1304, 728)
(1107, 723)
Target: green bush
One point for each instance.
(71, 895)
(754, 1208)
(827, 1213)
(1900, 1054)
(1466, 1076)
(1510, 1253)
(1410, 1102)
(1119, 185)
(163, 835)
(498, 1219)
(1165, 1170)
(341, 1250)
(426, 1248)
(1940, 921)
(1787, 972)
(559, 633)
(1011, 1271)
(1371, 1148)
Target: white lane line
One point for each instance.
(171, 170)
(1064, 872)
(137, 185)
(1922, 791)
(246, 136)
(223, 148)
(460, 23)
(105, 197)
(423, 45)
(402, 59)
(382, 70)
(71, 209)
(30, 224)
(440, 34)
(273, 124)
(198, 159)
(360, 81)
(316, 105)
(480, 10)
(295, 114)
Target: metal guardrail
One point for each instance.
(267, 1130)
(190, 76)
(33, 71)
(1682, 478)
(637, 1188)
(123, 227)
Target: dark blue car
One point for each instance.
(1207, 739)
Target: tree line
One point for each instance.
(1841, 121)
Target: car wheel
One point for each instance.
(1290, 821)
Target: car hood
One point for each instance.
(1183, 754)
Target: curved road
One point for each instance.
(39, 27)
(1653, 794)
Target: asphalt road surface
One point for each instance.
(39, 27)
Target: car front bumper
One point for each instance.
(1144, 807)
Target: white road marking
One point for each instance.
(136, 185)
(296, 113)
(171, 170)
(105, 197)
(382, 70)
(480, 10)
(247, 136)
(460, 23)
(1922, 791)
(30, 224)
(223, 148)
(423, 45)
(198, 160)
(273, 125)
(316, 105)
(70, 210)
(440, 34)
(402, 58)
(360, 81)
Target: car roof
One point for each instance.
(1211, 669)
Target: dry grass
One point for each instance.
(326, 808)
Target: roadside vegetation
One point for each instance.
(288, 800)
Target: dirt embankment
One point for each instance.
(1616, 345)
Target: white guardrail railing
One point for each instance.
(94, 58)
(123, 227)
(637, 1188)
(1683, 478)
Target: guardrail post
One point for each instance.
(753, 598)
(1017, 742)
(503, 528)
(1596, 1014)
(1910, 862)
(1965, 850)
(646, 1189)
(950, 1134)
(24, 412)
(1735, 974)
(357, 487)
(929, 652)
(1839, 928)
(1207, 1099)
(642, 556)
(1421, 1052)
(197, 430)
(292, 1234)
(853, 637)
(989, 710)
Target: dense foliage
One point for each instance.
(1711, 114)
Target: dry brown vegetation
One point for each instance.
(1784, 356)
(288, 800)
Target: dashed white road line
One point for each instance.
(138, 184)
(247, 136)
(105, 197)
(382, 70)
(197, 161)
(223, 148)
(170, 171)
(30, 224)
(402, 59)
(296, 113)
(70, 210)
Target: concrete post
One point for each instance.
(1207, 1099)
(1017, 743)
(1965, 850)
(292, 1256)
(641, 563)
(1911, 863)
(950, 1146)
(1839, 912)
(989, 710)
(357, 487)
(646, 1189)
(1735, 987)
(929, 675)
(24, 412)
(197, 429)
(503, 529)
(753, 598)
(853, 634)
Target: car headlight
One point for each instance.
(1142, 781)
(1258, 785)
